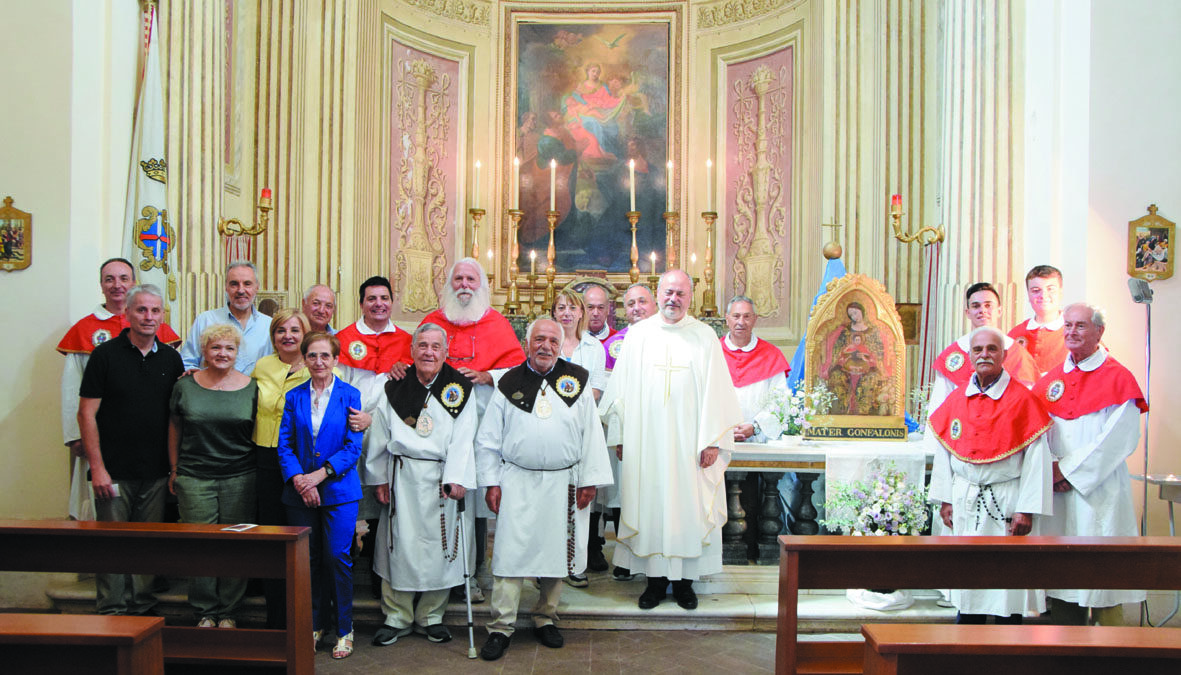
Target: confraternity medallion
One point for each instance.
(954, 361)
(567, 386)
(425, 425)
(100, 336)
(615, 349)
(452, 395)
(956, 428)
(357, 350)
(543, 408)
(1055, 391)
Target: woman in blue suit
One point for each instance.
(318, 453)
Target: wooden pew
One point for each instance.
(184, 550)
(1152, 563)
(933, 649)
(60, 643)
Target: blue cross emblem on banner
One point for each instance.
(156, 238)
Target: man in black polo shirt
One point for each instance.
(123, 417)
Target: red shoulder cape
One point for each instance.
(487, 344)
(953, 363)
(1077, 393)
(1047, 347)
(375, 353)
(756, 365)
(979, 430)
(92, 331)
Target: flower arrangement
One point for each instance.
(795, 409)
(882, 504)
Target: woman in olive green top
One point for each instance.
(212, 459)
(276, 374)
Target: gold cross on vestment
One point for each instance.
(668, 369)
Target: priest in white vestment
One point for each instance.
(758, 370)
(672, 406)
(421, 461)
(1096, 404)
(991, 475)
(540, 455)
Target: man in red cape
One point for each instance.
(757, 368)
(369, 348)
(1096, 404)
(483, 346)
(115, 277)
(952, 366)
(992, 470)
(1042, 335)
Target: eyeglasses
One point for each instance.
(461, 349)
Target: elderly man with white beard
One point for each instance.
(482, 345)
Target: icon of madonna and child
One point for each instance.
(591, 98)
(857, 367)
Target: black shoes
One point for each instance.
(622, 574)
(684, 595)
(654, 593)
(595, 560)
(435, 632)
(549, 636)
(388, 635)
(494, 647)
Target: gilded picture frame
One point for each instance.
(1149, 239)
(592, 91)
(857, 348)
(16, 237)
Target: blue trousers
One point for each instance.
(330, 544)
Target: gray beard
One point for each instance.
(460, 314)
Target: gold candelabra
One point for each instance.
(232, 227)
(477, 216)
(633, 217)
(709, 302)
(925, 235)
(512, 304)
(551, 217)
(532, 278)
(672, 221)
(693, 297)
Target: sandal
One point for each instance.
(316, 635)
(344, 646)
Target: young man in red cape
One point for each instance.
(1042, 335)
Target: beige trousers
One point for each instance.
(506, 600)
(400, 611)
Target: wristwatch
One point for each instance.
(758, 431)
(329, 470)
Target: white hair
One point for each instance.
(737, 299)
(455, 309)
(308, 293)
(529, 330)
(242, 263)
(144, 289)
(990, 331)
(1098, 316)
(427, 328)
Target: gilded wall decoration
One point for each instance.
(758, 178)
(422, 173)
(467, 11)
(733, 11)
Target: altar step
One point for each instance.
(741, 598)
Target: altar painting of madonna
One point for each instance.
(591, 97)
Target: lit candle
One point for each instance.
(553, 184)
(631, 170)
(532, 262)
(490, 260)
(266, 193)
(515, 186)
(709, 185)
(896, 205)
(692, 263)
(669, 185)
(652, 258)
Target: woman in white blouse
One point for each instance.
(578, 345)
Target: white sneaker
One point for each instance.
(227, 623)
(207, 622)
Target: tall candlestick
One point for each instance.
(631, 171)
(709, 185)
(515, 186)
(553, 184)
(652, 259)
(532, 262)
(668, 180)
(476, 195)
(895, 204)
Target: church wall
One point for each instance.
(1135, 160)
